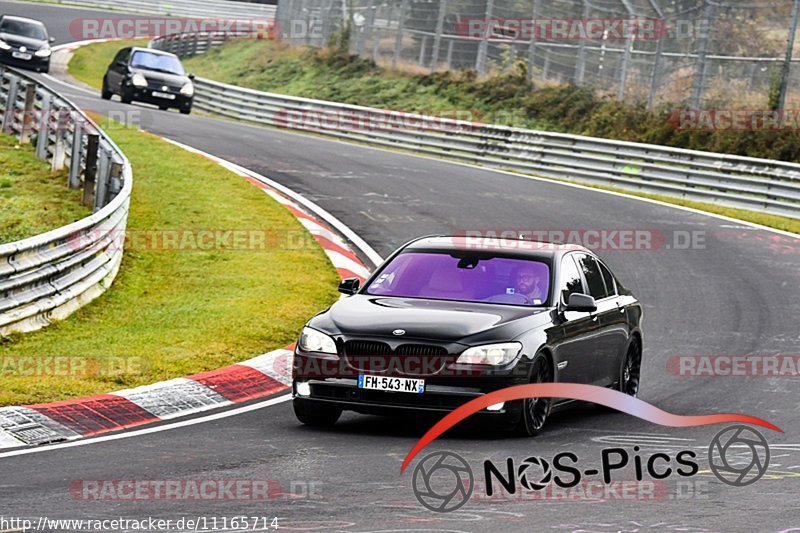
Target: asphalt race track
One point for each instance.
(739, 293)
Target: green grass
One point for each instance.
(175, 312)
(89, 63)
(502, 98)
(33, 199)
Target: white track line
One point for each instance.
(157, 429)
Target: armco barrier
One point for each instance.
(216, 9)
(51, 275)
(748, 183)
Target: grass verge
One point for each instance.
(33, 199)
(176, 308)
(504, 98)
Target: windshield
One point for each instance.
(158, 62)
(24, 29)
(469, 278)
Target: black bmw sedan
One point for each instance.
(24, 43)
(447, 319)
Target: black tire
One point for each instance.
(105, 94)
(319, 416)
(186, 111)
(631, 372)
(164, 107)
(125, 96)
(536, 410)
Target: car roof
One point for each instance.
(22, 19)
(492, 244)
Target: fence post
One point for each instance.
(483, 47)
(376, 42)
(43, 135)
(369, 27)
(437, 39)
(580, 65)
(532, 45)
(75, 159)
(28, 114)
(656, 79)
(11, 104)
(701, 65)
(450, 53)
(92, 146)
(787, 62)
(623, 78)
(398, 38)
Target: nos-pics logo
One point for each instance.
(443, 481)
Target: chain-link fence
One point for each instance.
(691, 52)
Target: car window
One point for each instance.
(571, 281)
(608, 278)
(24, 29)
(465, 278)
(158, 62)
(594, 278)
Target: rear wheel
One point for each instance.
(631, 369)
(318, 416)
(536, 410)
(105, 94)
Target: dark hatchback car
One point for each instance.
(447, 319)
(150, 76)
(24, 43)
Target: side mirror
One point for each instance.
(350, 286)
(120, 64)
(581, 302)
(52, 39)
(191, 76)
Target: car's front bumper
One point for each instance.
(35, 63)
(146, 95)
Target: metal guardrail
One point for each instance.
(49, 276)
(215, 9)
(755, 184)
(190, 45)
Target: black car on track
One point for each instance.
(446, 319)
(150, 76)
(24, 43)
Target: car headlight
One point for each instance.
(312, 340)
(4, 45)
(188, 89)
(138, 80)
(491, 354)
(44, 52)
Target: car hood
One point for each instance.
(364, 315)
(19, 40)
(162, 78)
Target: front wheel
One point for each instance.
(318, 416)
(125, 96)
(536, 410)
(105, 94)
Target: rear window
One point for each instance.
(467, 278)
(157, 62)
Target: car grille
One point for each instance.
(406, 359)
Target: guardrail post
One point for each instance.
(92, 145)
(28, 114)
(59, 151)
(398, 38)
(11, 104)
(75, 159)
(43, 135)
(103, 176)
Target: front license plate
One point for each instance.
(164, 95)
(384, 383)
(21, 55)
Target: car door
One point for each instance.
(574, 351)
(617, 321)
(604, 344)
(116, 72)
